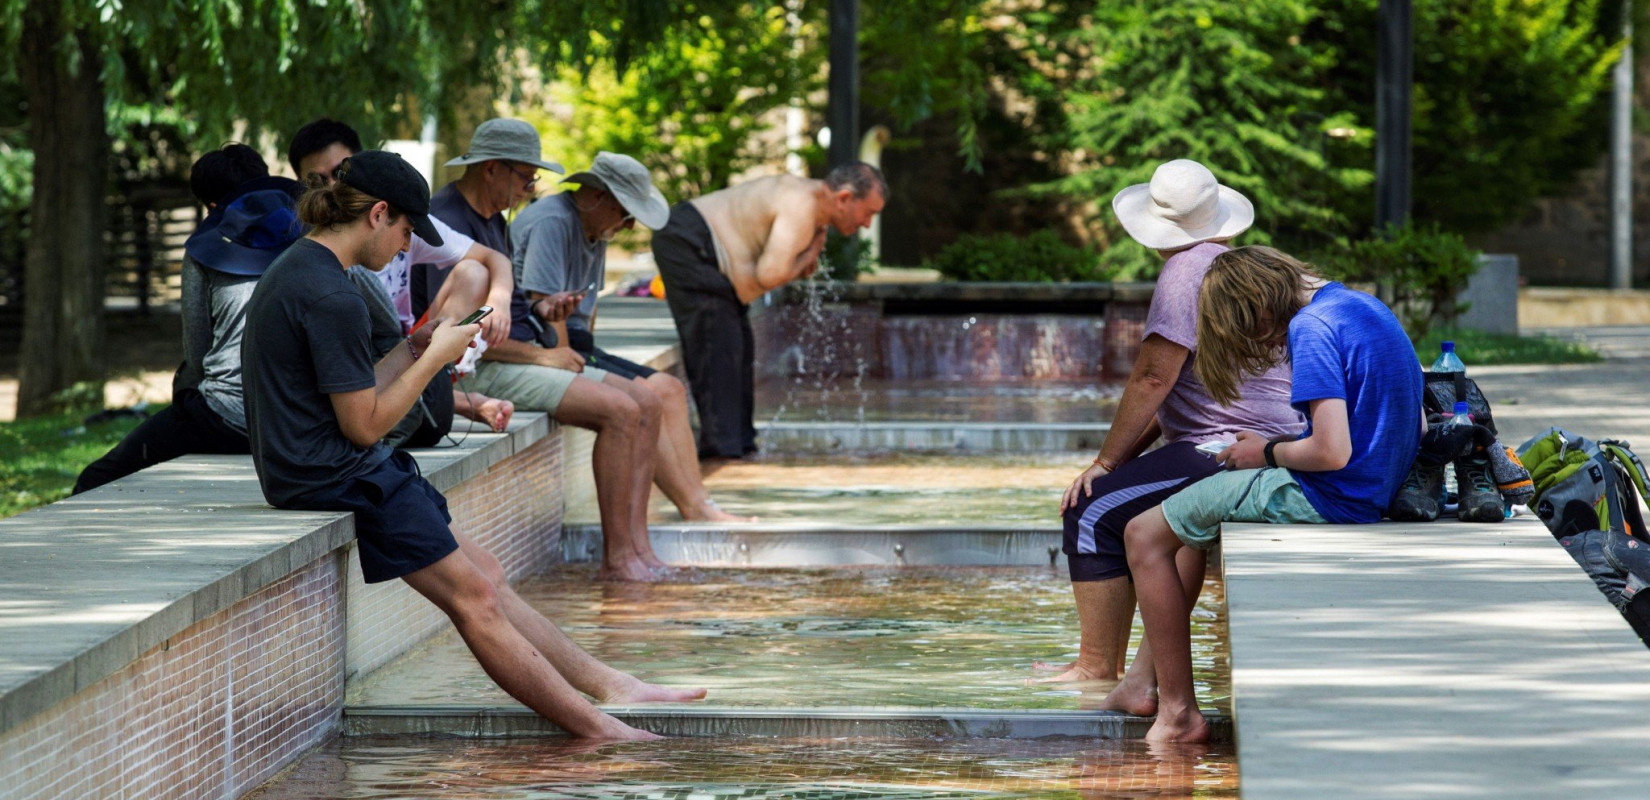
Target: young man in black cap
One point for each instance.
(251, 218)
(317, 406)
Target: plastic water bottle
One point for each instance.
(1463, 413)
(1447, 360)
(1462, 416)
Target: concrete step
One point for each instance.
(1017, 437)
(813, 545)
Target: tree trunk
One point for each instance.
(63, 269)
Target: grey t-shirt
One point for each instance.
(308, 336)
(226, 298)
(552, 255)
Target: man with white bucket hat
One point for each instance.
(560, 245)
(1187, 216)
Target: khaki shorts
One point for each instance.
(529, 386)
(1269, 494)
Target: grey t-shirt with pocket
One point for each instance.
(552, 255)
(308, 336)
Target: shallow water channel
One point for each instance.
(843, 644)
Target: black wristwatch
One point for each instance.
(1271, 459)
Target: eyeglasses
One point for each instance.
(531, 177)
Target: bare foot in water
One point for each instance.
(613, 729)
(709, 511)
(1132, 698)
(633, 571)
(1187, 727)
(1079, 671)
(640, 691)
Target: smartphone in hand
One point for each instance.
(479, 315)
(1212, 449)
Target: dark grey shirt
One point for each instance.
(308, 336)
(552, 254)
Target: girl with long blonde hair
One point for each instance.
(1356, 378)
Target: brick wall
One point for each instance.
(223, 705)
(214, 711)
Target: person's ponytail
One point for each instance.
(328, 206)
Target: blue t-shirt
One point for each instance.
(1347, 345)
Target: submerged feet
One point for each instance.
(633, 570)
(709, 511)
(640, 691)
(1132, 697)
(1188, 726)
(1075, 672)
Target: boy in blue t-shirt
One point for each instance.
(1357, 381)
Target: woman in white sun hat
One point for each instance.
(1187, 216)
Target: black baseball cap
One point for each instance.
(388, 177)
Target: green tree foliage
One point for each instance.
(272, 65)
(1038, 258)
(1234, 86)
(1510, 99)
(704, 104)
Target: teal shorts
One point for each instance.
(1269, 494)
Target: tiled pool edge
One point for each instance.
(209, 687)
(836, 722)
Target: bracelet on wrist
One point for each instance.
(411, 349)
(1104, 463)
(1271, 458)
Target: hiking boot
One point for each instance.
(1417, 499)
(1480, 499)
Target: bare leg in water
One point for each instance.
(1165, 608)
(1105, 611)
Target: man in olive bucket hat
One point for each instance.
(1187, 217)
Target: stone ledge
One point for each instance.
(91, 582)
(1439, 659)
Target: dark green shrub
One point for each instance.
(1419, 270)
(1041, 257)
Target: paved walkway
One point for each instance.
(1435, 660)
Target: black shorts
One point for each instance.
(1094, 528)
(601, 359)
(401, 521)
(584, 344)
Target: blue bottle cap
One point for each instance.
(1461, 407)
(1448, 347)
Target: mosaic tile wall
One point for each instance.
(216, 710)
(514, 510)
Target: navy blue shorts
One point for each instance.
(1094, 528)
(401, 521)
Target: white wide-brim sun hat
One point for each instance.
(1182, 206)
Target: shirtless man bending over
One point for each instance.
(724, 250)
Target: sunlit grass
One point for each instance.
(40, 457)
